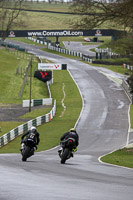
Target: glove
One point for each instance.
(74, 149)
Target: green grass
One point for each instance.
(121, 157)
(90, 43)
(124, 60)
(44, 21)
(50, 21)
(107, 40)
(11, 84)
(37, 20)
(116, 68)
(39, 89)
(51, 132)
(61, 7)
(35, 113)
(8, 126)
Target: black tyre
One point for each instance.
(25, 154)
(64, 155)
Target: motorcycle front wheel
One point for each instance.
(25, 154)
(64, 155)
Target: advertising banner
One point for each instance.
(43, 76)
(59, 33)
(41, 33)
(49, 66)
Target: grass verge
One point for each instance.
(115, 68)
(11, 83)
(8, 126)
(35, 113)
(121, 157)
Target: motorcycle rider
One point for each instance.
(32, 133)
(71, 134)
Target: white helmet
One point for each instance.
(33, 128)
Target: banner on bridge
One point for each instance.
(59, 33)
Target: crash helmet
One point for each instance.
(33, 129)
(73, 130)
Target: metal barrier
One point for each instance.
(126, 88)
(72, 53)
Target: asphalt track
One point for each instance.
(103, 127)
(78, 47)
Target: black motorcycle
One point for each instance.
(28, 148)
(68, 147)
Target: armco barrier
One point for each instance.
(126, 88)
(72, 53)
(106, 53)
(37, 41)
(128, 67)
(25, 127)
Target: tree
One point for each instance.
(94, 13)
(9, 12)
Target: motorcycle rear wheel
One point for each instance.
(26, 152)
(64, 155)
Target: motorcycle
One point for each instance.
(67, 148)
(28, 149)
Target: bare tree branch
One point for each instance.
(9, 16)
(120, 12)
